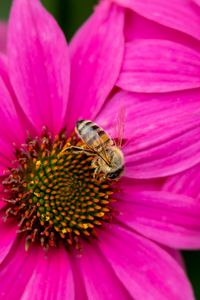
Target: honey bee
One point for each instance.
(108, 157)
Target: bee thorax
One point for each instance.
(114, 169)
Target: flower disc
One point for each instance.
(53, 193)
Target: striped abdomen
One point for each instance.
(93, 135)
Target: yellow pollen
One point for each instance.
(38, 164)
(36, 194)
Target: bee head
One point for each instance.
(115, 175)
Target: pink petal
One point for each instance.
(51, 278)
(3, 195)
(80, 291)
(5, 77)
(187, 182)
(96, 60)
(167, 218)
(38, 64)
(98, 276)
(3, 36)
(6, 156)
(137, 185)
(169, 158)
(159, 142)
(197, 2)
(139, 27)
(16, 270)
(174, 14)
(8, 233)
(10, 125)
(145, 269)
(177, 256)
(159, 66)
(4, 68)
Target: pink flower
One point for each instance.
(42, 83)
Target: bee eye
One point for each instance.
(116, 174)
(112, 175)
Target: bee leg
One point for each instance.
(94, 163)
(75, 149)
(96, 172)
(98, 176)
(97, 169)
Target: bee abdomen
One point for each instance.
(91, 134)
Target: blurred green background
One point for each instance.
(70, 14)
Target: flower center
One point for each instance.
(53, 193)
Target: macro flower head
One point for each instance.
(65, 234)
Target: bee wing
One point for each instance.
(98, 146)
(103, 145)
(104, 155)
(118, 127)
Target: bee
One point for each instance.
(108, 157)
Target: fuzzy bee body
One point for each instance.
(93, 135)
(108, 158)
